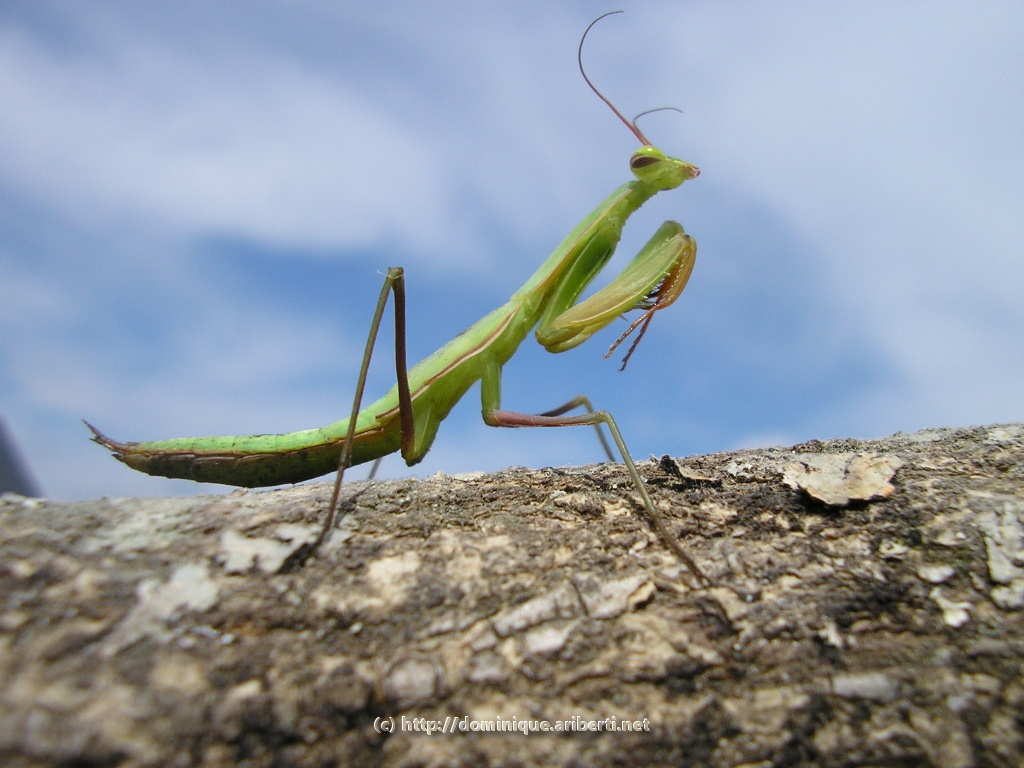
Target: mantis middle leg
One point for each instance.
(494, 416)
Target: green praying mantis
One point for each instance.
(407, 418)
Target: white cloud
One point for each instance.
(250, 145)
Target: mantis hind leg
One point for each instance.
(394, 282)
(373, 468)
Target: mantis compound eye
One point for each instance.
(642, 161)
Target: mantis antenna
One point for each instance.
(579, 58)
(656, 109)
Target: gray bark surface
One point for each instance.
(867, 609)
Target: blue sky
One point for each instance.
(198, 202)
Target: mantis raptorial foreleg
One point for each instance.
(407, 418)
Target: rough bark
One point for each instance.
(854, 619)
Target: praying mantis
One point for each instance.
(407, 418)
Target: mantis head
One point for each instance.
(652, 166)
